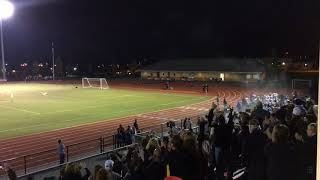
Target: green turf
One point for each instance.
(30, 111)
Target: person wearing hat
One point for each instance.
(108, 165)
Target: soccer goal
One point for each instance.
(301, 84)
(100, 83)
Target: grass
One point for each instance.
(29, 111)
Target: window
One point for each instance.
(256, 76)
(222, 76)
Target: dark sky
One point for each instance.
(122, 30)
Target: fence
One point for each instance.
(41, 160)
(86, 162)
(161, 130)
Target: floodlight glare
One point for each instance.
(6, 9)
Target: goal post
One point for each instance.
(100, 83)
(301, 84)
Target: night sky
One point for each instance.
(123, 30)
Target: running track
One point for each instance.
(25, 145)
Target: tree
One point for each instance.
(133, 66)
(59, 70)
(35, 68)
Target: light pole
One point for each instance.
(2, 53)
(6, 11)
(53, 63)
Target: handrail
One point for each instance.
(83, 142)
(43, 152)
(46, 151)
(80, 159)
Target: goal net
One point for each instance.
(301, 84)
(100, 83)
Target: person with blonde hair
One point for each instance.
(103, 174)
(281, 156)
(96, 170)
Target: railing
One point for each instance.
(55, 169)
(41, 160)
(31, 162)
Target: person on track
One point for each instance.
(61, 151)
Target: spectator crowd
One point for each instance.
(271, 137)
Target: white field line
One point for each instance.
(84, 108)
(19, 109)
(103, 97)
(67, 110)
(103, 105)
(128, 110)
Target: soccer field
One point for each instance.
(33, 108)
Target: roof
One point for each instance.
(215, 64)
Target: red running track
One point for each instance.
(26, 145)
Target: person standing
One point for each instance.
(311, 150)
(253, 151)
(222, 144)
(281, 156)
(136, 126)
(61, 151)
(217, 99)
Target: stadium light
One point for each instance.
(6, 11)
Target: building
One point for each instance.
(227, 69)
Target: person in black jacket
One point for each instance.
(222, 144)
(211, 113)
(253, 151)
(301, 149)
(281, 157)
(259, 113)
(311, 150)
(155, 170)
(175, 157)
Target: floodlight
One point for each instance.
(6, 9)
